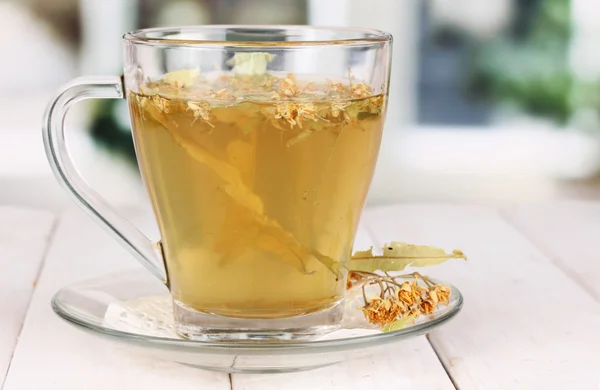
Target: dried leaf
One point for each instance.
(361, 254)
(182, 78)
(299, 137)
(251, 64)
(398, 324)
(271, 236)
(331, 264)
(397, 256)
(351, 112)
(252, 124)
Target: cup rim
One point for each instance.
(370, 36)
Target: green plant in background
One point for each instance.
(108, 130)
(530, 69)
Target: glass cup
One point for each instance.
(257, 146)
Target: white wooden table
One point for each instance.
(531, 318)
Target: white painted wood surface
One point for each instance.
(525, 324)
(52, 354)
(24, 236)
(568, 234)
(530, 319)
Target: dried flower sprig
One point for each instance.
(400, 301)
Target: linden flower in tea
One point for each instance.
(258, 178)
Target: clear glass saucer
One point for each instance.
(133, 308)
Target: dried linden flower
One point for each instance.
(442, 293)
(293, 113)
(427, 306)
(381, 311)
(162, 104)
(398, 303)
(335, 88)
(405, 294)
(338, 108)
(288, 87)
(361, 91)
(287, 111)
(201, 110)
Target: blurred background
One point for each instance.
(493, 101)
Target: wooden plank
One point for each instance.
(24, 236)
(525, 325)
(566, 232)
(52, 354)
(411, 364)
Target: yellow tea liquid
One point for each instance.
(257, 198)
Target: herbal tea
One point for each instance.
(257, 183)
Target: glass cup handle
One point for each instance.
(147, 253)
